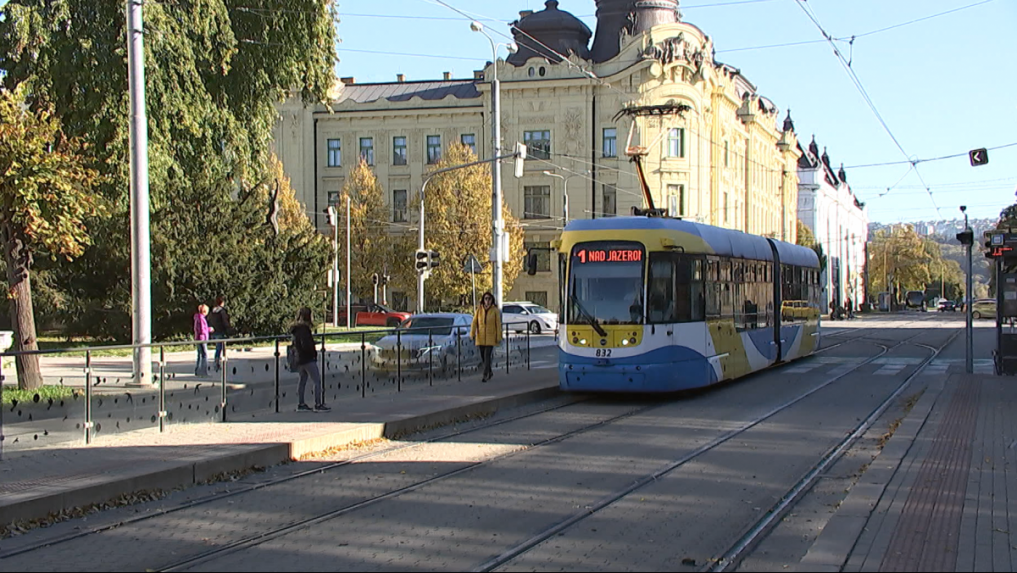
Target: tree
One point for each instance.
(371, 242)
(45, 195)
(805, 236)
(457, 206)
(215, 71)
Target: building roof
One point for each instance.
(404, 91)
(550, 33)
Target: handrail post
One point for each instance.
(88, 397)
(162, 389)
(276, 375)
(1, 408)
(527, 347)
(323, 335)
(459, 355)
(225, 368)
(399, 361)
(363, 365)
(508, 349)
(430, 358)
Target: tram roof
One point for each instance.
(725, 242)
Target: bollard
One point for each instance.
(363, 365)
(225, 368)
(162, 389)
(399, 361)
(276, 375)
(88, 397)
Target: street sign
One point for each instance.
(472, 265)
(978, 157)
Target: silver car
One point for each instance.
(436, 340)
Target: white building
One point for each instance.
(828, 207)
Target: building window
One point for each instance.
(610, 142)
(335, 153)
(399, 206)
(725, 207)
(537, 202)
(543, 252)
(538, 298)
(676, 142)
(469, 140)
(727, 163)
(367, 149)
(433, 149)
(676, 200)
(399, 150)
(610, 201)
(333, 198)
(538, 144)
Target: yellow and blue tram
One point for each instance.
(655, 304)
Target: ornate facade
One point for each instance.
(727, 161)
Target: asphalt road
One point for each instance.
(552, 490)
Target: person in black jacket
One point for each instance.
(219, 320)
(307, 362)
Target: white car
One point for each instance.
(523, 315)
(435, 340)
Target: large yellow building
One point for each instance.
(725, 161)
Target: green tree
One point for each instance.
(370, 239)
(215, 71)
(458, 210)
(45, 195)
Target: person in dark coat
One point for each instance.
(219, 320)
(307, 362)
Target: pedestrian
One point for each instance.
(486, 332)
(219, 322)
(307, 362)
(201, 332)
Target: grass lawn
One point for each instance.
(37, 395)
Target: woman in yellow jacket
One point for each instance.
(486, 332)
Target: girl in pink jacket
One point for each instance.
(201, 332)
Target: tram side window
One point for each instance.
(662, 299)
(676, 289)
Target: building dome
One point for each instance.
(556, 29)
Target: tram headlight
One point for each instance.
(625, 342)
(582, 342)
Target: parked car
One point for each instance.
(983, 308)
(523, 314)
(435, 340)
(373, 315)
(947, 305)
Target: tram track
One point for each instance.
(276, 532)
(747, 540)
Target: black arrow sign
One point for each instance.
(979, 157)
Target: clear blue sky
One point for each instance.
(944, 85)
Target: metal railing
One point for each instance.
(381, 352)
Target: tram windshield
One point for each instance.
(606, 283)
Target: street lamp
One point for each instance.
(969, 325)
(497, 223)
(565, 193)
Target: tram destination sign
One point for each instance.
(609, 256)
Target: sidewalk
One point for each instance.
(942, 495)
(38, 482)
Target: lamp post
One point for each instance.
(969, 324)
(497, 223)
(565, 192)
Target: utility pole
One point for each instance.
(968, 240)
(141, 264)
(333, 218)
(348, 304)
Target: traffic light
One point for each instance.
(966, 237)
(385, 279)
(433, 258)
(330, 211)
(520, 159)
(374, 279)
(421, 260)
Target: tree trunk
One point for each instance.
(22, 313)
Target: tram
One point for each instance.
(655, 304)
